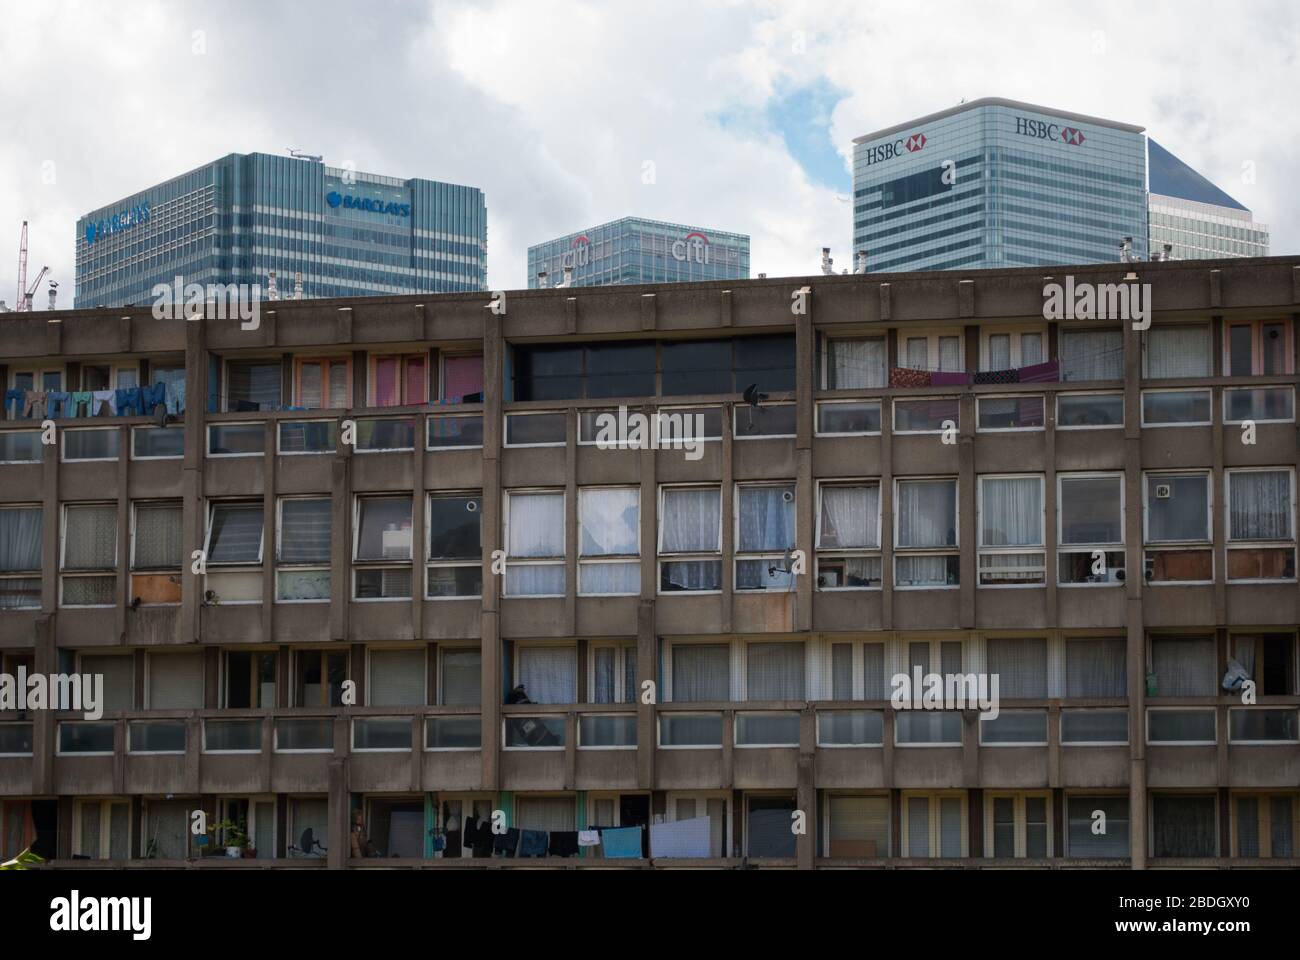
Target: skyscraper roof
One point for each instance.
(1170, 177)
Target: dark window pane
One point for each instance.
(454, 528)
(696, 367)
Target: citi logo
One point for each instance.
(580, 253)
(1042, 130)
(887, 151)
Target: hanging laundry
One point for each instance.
(506, 843)
(128, 398)
(471, 830)
(533, 843)
(34, 404)
(151, 397)
(101, 397)
(81, 399)
(681, 838)
(60, 402)
(622, 843)
(17, 398)
(564, 843)
(588, 838)
(904, 377)
(176, 397)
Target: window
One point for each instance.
(48, 379)
(934, 825)
(318, 678)
(700, 672)
(454, 432)
(462, 379)
(460, 676)
(249, 680)
(1089, 411)
(1090, 529)
(1255, 348)
(925, 533)
(728, 366)
(118, 671)
(1177, 521)
(609, 541)
(308, 814)
(1016, 825)
(381, 548)
(303, 551)
(1163, 408)
(1264, 825)
(397, 381)
(1176, 350)
(1262, 725)
(156, 552)
(848, 535)
(1020, 664)
(547, 672)
(1012, 349)
(455, 552)
(691, 806)
(21, 541)
(613, 673)
(1082, 837)
(765, 533)
(690, 539)
(1011, 531)
(1260, 404)
(1269, 659)
(774, 671)
(1009, 413)
(89, 555)
(308, 436)
(236, 439)
(767, 826)
(374, 435)
(848, 418)
(536, 429)
(1088, 354)
(157, 443)
(90, 444)
(768, 420)
(1184, 666)
(858, 671)
(21, 446)
(535, 543)
(579, 372)
(926, 416)
(854, 363)
(857, 828)
(1096, 667)
(396, 678)
(1261, 531)
(323, 383)
(942, 352)
(253, 385)
(1183, 825)
(234, 539)
(174, 681)
(103, 830)
(101, 376)
(1094, 728)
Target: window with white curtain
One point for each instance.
(103, 829)
(21, 542)
(455, 551)
(925, 533)
(850, 661)
(935, 352)
(774, 671)
(546, 814)
(690, 539)
(857, 827)
(612, 673)
(302, 570)
(1096, 667)
(1090, 529)
(765, 530)
(1177, 525)
(89, 555)
(534, 543)
(381, 548)
(1261, 529)
(934, 825)
(1016, 825)
(1176, 350)
(396, 678)
(1011, 531)
(609, 541)
(1012, 349)
(175, 681)
(548, 672)
(1080, 838)
(848, 535)
(1020, 664)
(701, 672)
(1184, 825)
(460, 676)
(1185, 666)
(1089, 354)
(852, 363)
(118, 672)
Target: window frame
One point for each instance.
(934, 823)
(1234, 543)
(372, 360)
(621, 651)
(1070, 549)
(36, 572)
(980, 398)
(1206, 544)
(505, 429)
(738, 556)
(423, 650)
(100, 573)
(1229, 420)
(983, 550)
(299, 567)
(893, 415)
(325, 362)
(1089, 393)
(1180, 423)
(357, 566)
(866, 553)
(625, 559)
(1257, 345)
(225, 397)
(1202, 325)
(1020, 822)
(559, 560)
(661, 556)
(430, 563)
(146, 426)
(210, 426)
(233, 565)
(932, 337)
(1017, 352)
(63, 449)
(846, 401)
(946, 551)
(824, 356)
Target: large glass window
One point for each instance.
(21, 542)
(728, 366)
(1257, 348)
(765, 533)
(382, 548)
(303, 551)
(1184, 666)
(701, 672)
(253, 384)
(534, 543)
(1089, 411)
(848, 535)
(1090, 528)
(1011, 531)
(1088, 354)
(583, 372)
(855, 363)
(609, 538)
(1178, 527)
(455, 567)
(323, 382)
(1083, 840)
(1176, 350)
(397, 381)
(548, 673)
(1261, 532)
(925, 533)
(690, 539)
(89, 556)
(774, 671)
(156, 552)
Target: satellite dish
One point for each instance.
(752, 396)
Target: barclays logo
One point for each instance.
(118, 221)
(349, 202)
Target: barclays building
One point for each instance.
(997, 183)
(336, 231)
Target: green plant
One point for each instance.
(232, 834)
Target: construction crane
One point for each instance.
(25, 293)
(299, 155)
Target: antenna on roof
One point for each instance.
(828, 264)
(542, 282)
(862, 262)
(299, 155)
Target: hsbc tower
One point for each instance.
(998, 183)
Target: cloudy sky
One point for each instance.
(745, 110)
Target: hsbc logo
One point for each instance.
(887, 151)
(1042, 130)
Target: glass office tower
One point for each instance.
(1197, 219)
(997, 183)
(634, 250)
(237, 219)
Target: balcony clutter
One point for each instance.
(1037, 373)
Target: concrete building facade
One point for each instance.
(316, 590)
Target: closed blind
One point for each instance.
(1020, 665)
(396, 678)
(157, 536)
(175, 681)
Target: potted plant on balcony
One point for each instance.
(233, 835)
